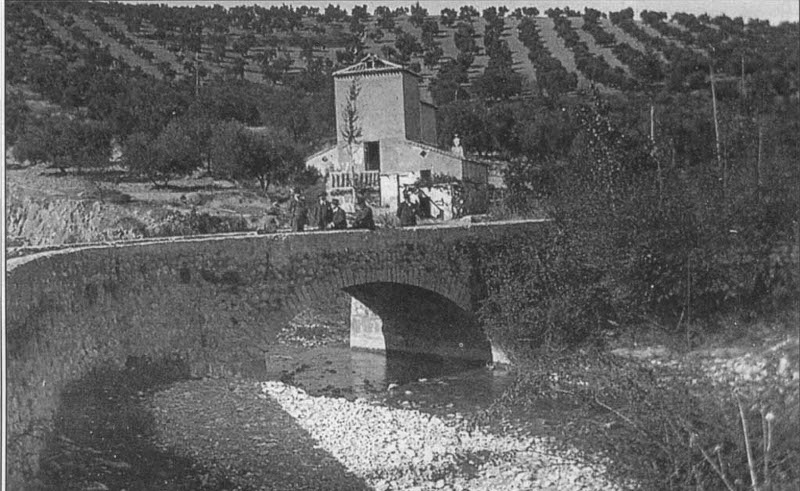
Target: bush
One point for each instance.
(16, 113)
(173, 153)
(655, 423)
(633, 242)
(64, 142)
(543, 296)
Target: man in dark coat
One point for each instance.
(363, 216)
(298, 212)
(339, 216)
(407, 212)
(323, 214)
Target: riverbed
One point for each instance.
(328, 417)
(312, 415)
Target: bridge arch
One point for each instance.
(397, 308)
(396, 317)
(452, 286)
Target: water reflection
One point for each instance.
(419, 380)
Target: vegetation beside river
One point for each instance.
(641, 248)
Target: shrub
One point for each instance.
(542, 295)
(172, 153)
(631, 242)
(64, 142)
(656, 423)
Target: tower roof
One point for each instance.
(371, 64)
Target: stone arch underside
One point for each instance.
(417, 308)
(409, 318)
(452, 285)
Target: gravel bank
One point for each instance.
(269, 435)
(406, 449)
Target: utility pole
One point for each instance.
(744, 91)
(196, 75)
(758, 160)
(720, 163)
(653, 152)
(652, 123)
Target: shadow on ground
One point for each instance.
(148, 426)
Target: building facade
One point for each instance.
(386, 143)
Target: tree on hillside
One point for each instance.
(449, 17)
(356, 27)
(467, 12)
(385, 18)
(64, 142)
(418, 15)
(274, 67)
(407, 46)
(446, 86)
(171, 154)
(464, 38)
(432, 55)
(241, 154)
(376, 35)
(499, 80)
(237, 68)
(290, 110)
(430, 29)
(333, 13)
(218, 47)
(360, 13)
(16, 113)
(243, 44)
(466, 119)
(390, 54)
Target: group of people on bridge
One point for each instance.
(326, 215)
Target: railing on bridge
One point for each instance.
(368, 179)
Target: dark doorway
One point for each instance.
(372, 155)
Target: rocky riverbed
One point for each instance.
(408, 449)
(270, 435)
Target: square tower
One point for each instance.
(379, 100)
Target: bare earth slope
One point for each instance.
(45, 208)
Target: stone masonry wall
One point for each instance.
(217, 303)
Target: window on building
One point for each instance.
(425, 175)
(372, 155)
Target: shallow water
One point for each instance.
(419, 381)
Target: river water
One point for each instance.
(430, 383)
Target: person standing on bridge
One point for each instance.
(298, 212)
(339, 217)
(407, 212)
(323, 214)
(363, 216)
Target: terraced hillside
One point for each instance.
(266, 45)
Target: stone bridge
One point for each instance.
(219, 302)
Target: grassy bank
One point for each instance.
(670, 417)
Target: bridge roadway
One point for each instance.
(218, 302)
